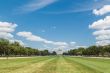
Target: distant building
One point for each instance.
(59, 51)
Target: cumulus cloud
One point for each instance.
(103, 37)
(101, 24)
(6, 29)
(102, 32)
(29, 36)
(105, 9)
(7, 24)
(35, 5)
(6, 35)
(103, 42)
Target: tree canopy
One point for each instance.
(90, 51)
(15, 49)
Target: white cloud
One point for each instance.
(8, 25)
(56, 45)
(105, 9)
(6, 35)
(6, 29)
(60, 43)
(36, 5)
(72, 43)
(101, 24)
(103, 42)
(29, 36)
(101, 32)
(103, 37)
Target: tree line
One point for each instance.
(90, 51)
(15, 49)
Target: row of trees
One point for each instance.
(90, 51)
(15, 49)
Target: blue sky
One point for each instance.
(54, 20)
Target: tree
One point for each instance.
(53, 53)
(107, 49)
(4, 47)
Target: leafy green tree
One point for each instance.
(4, 47)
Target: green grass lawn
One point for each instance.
(55, 64)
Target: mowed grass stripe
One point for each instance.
(49, 67)
(65, 67)
(80, 68)
(100, 65)
(22, 65)
(32, 68)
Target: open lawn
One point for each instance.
(55, 64)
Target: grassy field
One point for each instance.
(55, 64)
